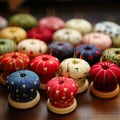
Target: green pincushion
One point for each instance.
(24, 20)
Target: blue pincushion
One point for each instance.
(88, 52)
(61, 50)
(23, 85)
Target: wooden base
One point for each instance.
(43, 86)
(62, 110)
(24, 105)
(84, 87)
(2, 80)
(104, 94)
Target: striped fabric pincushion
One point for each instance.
(11, 62)
(105, 77)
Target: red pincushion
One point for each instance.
(105, 76)
(45, 64)
(13, 61)
(42, 34)
(52, 23)
(61, 91)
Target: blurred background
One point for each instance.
(92, 10)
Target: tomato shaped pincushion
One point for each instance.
(11, 62)
(105, 77)
(61, 92)
(46, 66)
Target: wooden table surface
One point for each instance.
(89, 107)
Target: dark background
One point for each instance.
(92, 10)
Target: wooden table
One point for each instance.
(89, 107)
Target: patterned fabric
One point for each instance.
(108, 27)
(32, 47)
(7, 45)
(61, 91)
(45, 64)
(13, 61)
(22, 85)
(111, 55)
(105, 75)
(61, 50)
(88, 52)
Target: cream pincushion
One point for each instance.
(32, 47)
(61, 91)
(109, 27)
(76, 69)
(14, 33)
(67, 35)
(105, 77)
(82, 25)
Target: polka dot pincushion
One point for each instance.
(61, 91)
(61, 50)
(32, 47)
(88, 52)
(108, 27)
(105, 77)
(23, 86)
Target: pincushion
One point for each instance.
(23, 20)
(116, 41)
(42, 34)
(81, 25)
(100, 40)
(89, 53)
(23, 86)
(32, 47)
(61, 50)
(78, 70)
(108, 27)
(67, 35)
(105, 77)
(46, 67)
(61, 91)
(11, 62)
(50, 22)
(3, 22)
(7, 45)
(111, 55)
(14, 33)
